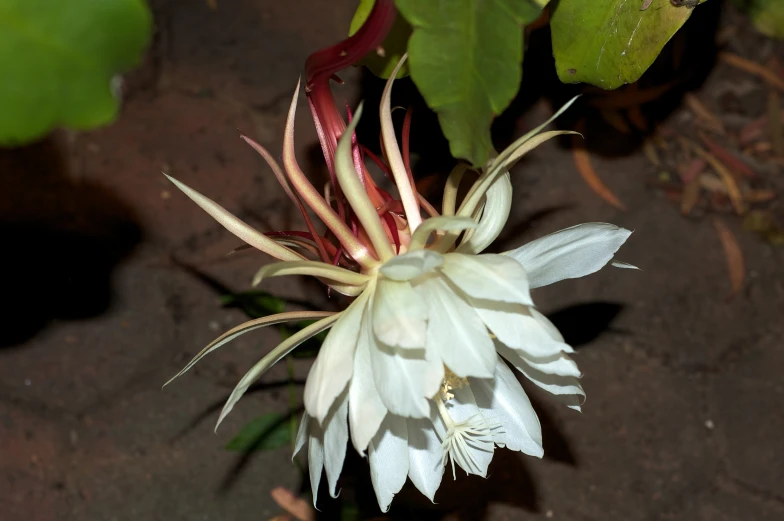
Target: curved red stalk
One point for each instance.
(322, 65)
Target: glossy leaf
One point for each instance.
(465, 57)
(609, 43)
(60, 60)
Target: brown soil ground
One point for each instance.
(685, 404)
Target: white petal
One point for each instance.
(335, 362)
(566, 388)
(302, 434)
(399, 315)
(455, 332)
(560, 365)
(404, 378)
(315, 457)
(463, 408)
(519, 327)
(503, 400)
(567, 254)
(491, 277)
(335, 441)
(366, 411)
(388, 457)
(424, 454)
(411, 265)
(498, 203)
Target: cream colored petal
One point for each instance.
(399, 315)
(444, 223)
(455, 332)
(411, 265)
(335, 442)
(490, 277)
(366, 410)
(388, 458)
(495, 213)
(571, 253)
(334, 365)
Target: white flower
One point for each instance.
(413, 367)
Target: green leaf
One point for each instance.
(394, 45)
(267, 432)
(58, 59)
(611, 42)
(465, 57)
(255, 304)
(767, 15)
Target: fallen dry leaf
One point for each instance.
(582, 160)
(759, 196)
(710, 120)
(754, 68)
(650, 152)
(296, 506)
(774, 124)
(691, 170)
(690, 196)
(726, 157)
(733, 255)
(726, 176)
(637, 118)
(615, 120)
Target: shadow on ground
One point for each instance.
(62, 239)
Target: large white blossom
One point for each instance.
(415, 368)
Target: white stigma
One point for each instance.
(462, 438)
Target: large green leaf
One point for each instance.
(267, 432)
(611, 42)
(465, 57)
(58, 58)
(767, 15)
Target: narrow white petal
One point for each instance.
(502, 399)
(490, 277)
(404, 378)
(388, 457)
(302, 434)
(315, 457)
(366, 411)
(399, 315)
(624, 265)
(335, 441)
(335, 362)
(571, 253)
(455, 332)
(463, 408)
(236, 226)
(518, 327)
(498, 204)
(566, 388)
(248, 326)
(442, 222)
(312, 268)
(424, 454)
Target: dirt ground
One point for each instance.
(106, 276)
